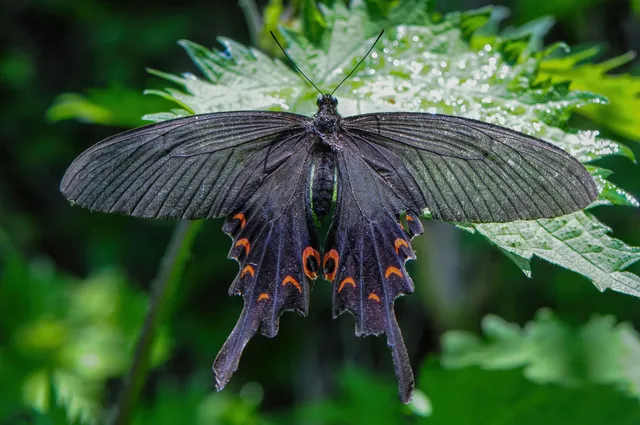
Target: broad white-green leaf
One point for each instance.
(576, 242)
(440, 68)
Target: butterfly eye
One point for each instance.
(334, 101)
(319, 101)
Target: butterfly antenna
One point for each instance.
(294, 64)
(356, 67)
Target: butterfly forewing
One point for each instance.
(469, 171)
(188, 168)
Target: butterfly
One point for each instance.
(274, 175)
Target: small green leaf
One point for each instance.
(116, 105)
(622, 90)
(550, 351)
(609, 193)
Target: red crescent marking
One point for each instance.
(336, 259)
(308, 251)
(374, 297)
(263, 296)
(345, 281)
(249, 270)
(292, 281)
(400, 242)
(240, 217)
(245, 243)
(392, 270)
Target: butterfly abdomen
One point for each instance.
(323, 175)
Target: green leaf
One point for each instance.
(550, 351)
(65, 338)
(237, 77)
(437, 67)
(472, 396)
(610, 194)
(577, 242)
(116, 105)
(623, 90)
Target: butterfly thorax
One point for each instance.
(326, 122)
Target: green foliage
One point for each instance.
(621, 90)
(473, 396)
(65, 338)
(551, 352)
(362, 396)
(432, 68)
(578, 242)
(545, 371)
(116, 105)
(193, 403)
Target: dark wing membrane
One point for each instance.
(465, 170)
(276, 245)
(366, 249)
(187, 168)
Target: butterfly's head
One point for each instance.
(327, 120)
(327, 103)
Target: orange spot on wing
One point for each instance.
(310, 252)
(242, 219)
(248, 269)
(291, 280)
(409, 218)
(398, 243)
(263, 296)
(245, 243)
(392, 270)
(345, 281)
(374, 297)
(332, 254)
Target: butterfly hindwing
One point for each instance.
(276, 245)
(469, 171)
(366, 250)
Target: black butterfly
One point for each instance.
(272, 175)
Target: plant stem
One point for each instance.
(164, 286)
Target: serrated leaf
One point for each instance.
(550, 351)
(432, 68)
(577, 242)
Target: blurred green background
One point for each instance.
(75, 285)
